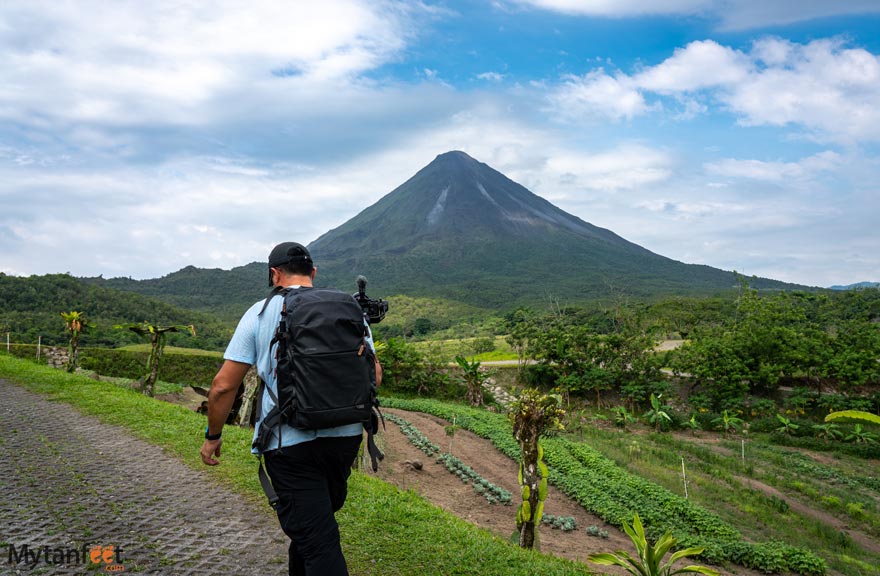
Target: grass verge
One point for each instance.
(384, 530)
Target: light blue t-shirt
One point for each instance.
(250, 345)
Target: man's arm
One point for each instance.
(221, 397)
(378, 373)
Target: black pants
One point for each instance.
(311, 480)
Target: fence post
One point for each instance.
(7, 342)
(39, 344)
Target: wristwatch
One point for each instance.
(212, 436)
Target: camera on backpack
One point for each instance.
(374, 308)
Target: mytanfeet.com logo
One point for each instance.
(93, 555)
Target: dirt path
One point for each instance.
(68, 481)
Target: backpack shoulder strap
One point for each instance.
(275, 292)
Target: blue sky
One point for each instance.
(137, 138)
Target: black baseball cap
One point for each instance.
(288, 252)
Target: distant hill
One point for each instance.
(224, 293)
(856, 286)
(31, 308)
(460, 231)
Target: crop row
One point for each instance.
(492, 493)
(414, 435)
(615, 495)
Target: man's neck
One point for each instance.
(294, 280)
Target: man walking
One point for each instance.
(309, 468)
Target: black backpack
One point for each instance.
(326, 369)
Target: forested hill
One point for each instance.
(31, 307)
(223, 293)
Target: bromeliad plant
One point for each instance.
(650, 557)
(157, 347)
(76, 324)
(533, 415)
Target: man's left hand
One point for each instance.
(210, 449)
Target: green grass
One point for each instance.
(172, 350)
(385, 531)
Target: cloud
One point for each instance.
(827, 90)
(775, 171)
(491, 76)
(729, 14)
(700, 65)
(134, 62)
(598, 95)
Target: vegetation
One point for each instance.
(534, 415)
(157, 335)
(604, 488)
(76, 324)
(29, 309)
(414, 534)
(650, 556)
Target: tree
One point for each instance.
(76, 324)
(650, 557)
(157, 347)
(534, 416)
(656, 415)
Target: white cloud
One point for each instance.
(699, 65)
(132, 61)
(491, 76)
(823, 88)
(775, 171)
(598, 95)
(730, 14)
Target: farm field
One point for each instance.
(815, 501)
(818, 502)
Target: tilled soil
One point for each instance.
(445, 490)
(69, 482)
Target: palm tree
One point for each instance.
(650, 557)
(157, 346)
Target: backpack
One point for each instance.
(326, 368)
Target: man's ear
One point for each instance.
(314, 271)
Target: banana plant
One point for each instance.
(788, 427)
(727, 422)
(650, 557)
(656, 415)
(157, 347)
(76, 324)
(474, 377)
